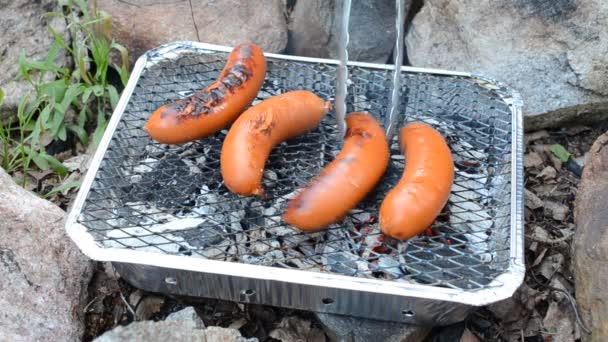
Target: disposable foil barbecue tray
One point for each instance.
(162, 215)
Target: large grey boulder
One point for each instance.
(315, 29)
(44, 276)
(591, 242)
(22, 28)
(143, 24)
(554, 52)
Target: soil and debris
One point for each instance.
(543, 309)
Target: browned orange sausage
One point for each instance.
(424, 188)
(346, 180)
(216, 106)
(259, 129)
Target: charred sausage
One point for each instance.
(424, 188)
(259, 129)
(216, 106)
(346, 180)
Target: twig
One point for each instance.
(550, 241)
(127, 304)
(571, 300)
(91, 303)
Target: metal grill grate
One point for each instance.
(171, 199)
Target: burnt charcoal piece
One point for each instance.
(170, 184)
(205, 235)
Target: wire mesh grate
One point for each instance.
(171, 199)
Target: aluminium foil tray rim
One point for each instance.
(502, 287)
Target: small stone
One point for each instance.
(347, 328)
(189, 316)
(295, 329)
(548, 173)
(177, 330)
(532, 160)
(531, 200)
(149, 306)
(556, 210)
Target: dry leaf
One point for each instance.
(532, 160)
(531, 200)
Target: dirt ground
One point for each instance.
(543, 309)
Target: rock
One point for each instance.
(315, 29)
(23, 29)
(346, 328)
(148, 307)
(44, 276)
(295, 329)
(554, 52)
(591, 242)
(142, 24)
(187, 315)
(163, 331)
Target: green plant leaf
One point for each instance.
(57, 121)
(23, 69)
(98, 134)
(35, 136)
(86, 94)
(73, 92)
(55, 164)
(113, 95)
(98, 90)
(560, 152)
(41, 162)
(59, 39)
(43, 118)
(63, 187)
(54, 90)
(123, 70)
(1, 96)
(80, 133)
(62, 134)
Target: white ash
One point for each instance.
(340, 262)
(147, 165)
(270, 178)
(389, 266)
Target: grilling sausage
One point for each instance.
(259, 129)
(424, 188)
(346, 180)
(216, 106)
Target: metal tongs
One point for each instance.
(342, 79)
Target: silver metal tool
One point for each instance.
(391, 119)
(342, 79)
